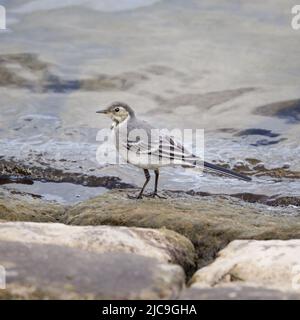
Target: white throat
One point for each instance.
(117, 123)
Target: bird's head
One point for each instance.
(118, 111)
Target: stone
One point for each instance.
(46, 271)
(57, 261)
(20, 207)
(236, 292)
(273, 264)
(162, 245)
(210, 222)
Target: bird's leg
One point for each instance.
(155, 194)
(156, 181)
(147, 176)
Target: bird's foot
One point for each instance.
(134, 196)
(155, 195)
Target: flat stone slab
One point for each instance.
(46, 271)
(272, 264)
(163, 245)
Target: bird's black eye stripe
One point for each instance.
(117, 109)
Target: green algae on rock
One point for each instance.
(17, 207)
(209, 222)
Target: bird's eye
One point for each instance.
(117, 109)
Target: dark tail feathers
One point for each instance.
(224, 171)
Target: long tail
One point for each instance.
(224, 171)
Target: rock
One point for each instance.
(18, 207)
(236, 292)
(46, 271)
(162, 245)
(209, 222)
(43, 80)
(273, 264)
(288, 109)
(36, 169)
(56, 261)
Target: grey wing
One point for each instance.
(138, 137)
(150, 141)
(164, 148)
(175, 151)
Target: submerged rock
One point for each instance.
(288, 109)
(270, 264)
(209, 222)
(35, 74)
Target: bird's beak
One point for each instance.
(104, 111)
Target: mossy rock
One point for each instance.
(209, 222)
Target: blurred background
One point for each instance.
(230, 67)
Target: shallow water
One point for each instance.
(228, 67)
(65, 193)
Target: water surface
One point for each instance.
(229, 67)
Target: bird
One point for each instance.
(150, 151)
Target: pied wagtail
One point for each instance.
(148, 149)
